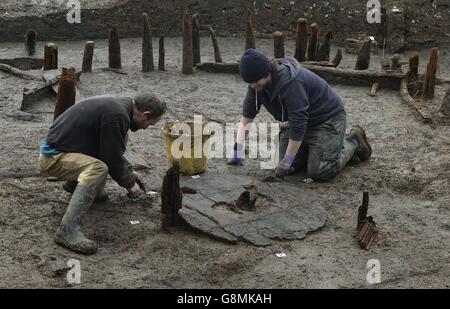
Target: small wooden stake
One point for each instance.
(338, 58)
(162, 54)
(196, 39)
(313, 43)
(413, 72)
(66, 91)
(324, 50)
(249, 35)
(278, 44)
(50, 56)
(188, 59)
(362, 210)
(363, 61)
(30, 42)
(87, 57)
(429, 80)
(115, 61)
(301, 40)
(217, 54)
(147, 45)
(171, 196)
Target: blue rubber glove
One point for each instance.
(284, 166)
(235, 157)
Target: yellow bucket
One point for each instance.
(183, 133)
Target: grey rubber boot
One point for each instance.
(69, 234)
(69, 186)
(364, 150)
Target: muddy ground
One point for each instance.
(408, 178)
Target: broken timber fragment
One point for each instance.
(338, 58)
(444, 108)
(324, 49)
(148, 64)
(249, 34)
(301, 40)
(171, 196)
(363, 61)
(162, 54)
(87, 57)
(196, 39)
(188, 60)
(375, 87)
(217, 54)
(16, 72)
(278, 44)
(429, 80)
(30, 42)
(366, 232)
(413, 72)
(115, 61)
(50, 56)
(395, 63)
(66, 91)
(406, 96)
(313, 43)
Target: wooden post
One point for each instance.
(188, 59)
(363, 61)
(30, 42)
(413, 72)
(250, 34)
(196, 39)
(324, 50)
(313, 43)
(147, 45)
(87, 57)
(50, 56)
(338, 58)
(162, 54)
(278, 44)
(217, 54)
(301, 40)
(429, 80)
(171, 196)
(66, 91)
(115, 61)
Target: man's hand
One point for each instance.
(285, 166)
(236, 156)
(139, 180)
(135, 191)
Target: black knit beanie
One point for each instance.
(254, 66)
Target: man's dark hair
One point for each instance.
(150, 103)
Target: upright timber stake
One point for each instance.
(217, 54)
(188, 59)
(338, 58)
(413, 72)
(115, 61)
(30, 42)
(66, 91)
(366, 231)
(250, 34)
(301, 40)
(162, 54)
(325, 47)
(313, 43)
(278, 44)
(363, 61)
(171, 196)
(50, 57)
(87, 57)
(196, 38)
(147, 45)
(429, 81)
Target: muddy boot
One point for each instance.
(69, 234)
(70, 186)
(364, 150)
